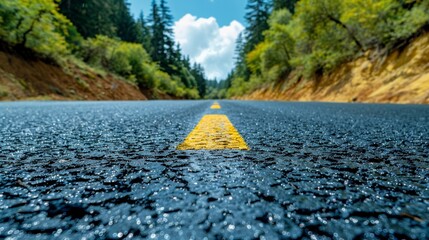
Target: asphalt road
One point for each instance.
(110, 170)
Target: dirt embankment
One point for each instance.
(400, 77)
(26, 77)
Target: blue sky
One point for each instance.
(223, 10)
(206, 30)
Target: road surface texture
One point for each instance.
(110, 170)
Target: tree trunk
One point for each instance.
(25, 34)
(351, 35)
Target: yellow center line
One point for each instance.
(215, 106)
(214, 132)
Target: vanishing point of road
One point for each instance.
(206, 170)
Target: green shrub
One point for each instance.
(35, 24)
(129, 60)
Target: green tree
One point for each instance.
(144, 35)
(172, 55)
(129, 60)
(257, 13)
(157, 40)
(91, 17)
(257, 19)
(34, 24)
(320, 35)
(102, 17)
(281, 4)
(166, 53)
(163, 50)
(127, 28)
(240, 57)
(198, 73)
(384, 22)
(271, 59)
(322, 39)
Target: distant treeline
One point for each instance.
(315, 36)
(104, 35)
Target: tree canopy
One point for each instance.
(104, 34)
(309, 36)
(315, 36)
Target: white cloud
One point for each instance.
(208, 44)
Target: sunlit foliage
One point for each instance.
(271, 58)
(35, 24)
(115, 41)
(126, 59)
(322, 34)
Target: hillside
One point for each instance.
(399, 77)
(335, 50)
(24, 76)
(60, 50)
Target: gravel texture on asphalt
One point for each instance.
(110, 170)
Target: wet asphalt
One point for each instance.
(109, 170)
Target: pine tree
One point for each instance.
(170, 55)
(166, 53)
(101, 17)
(157, 40)
(91, 17)
(167, 22)
(257, 15)
(144, 35)
(239, 50)
(228, 80)
(241, 69)
(198, 72)
(125, 24)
